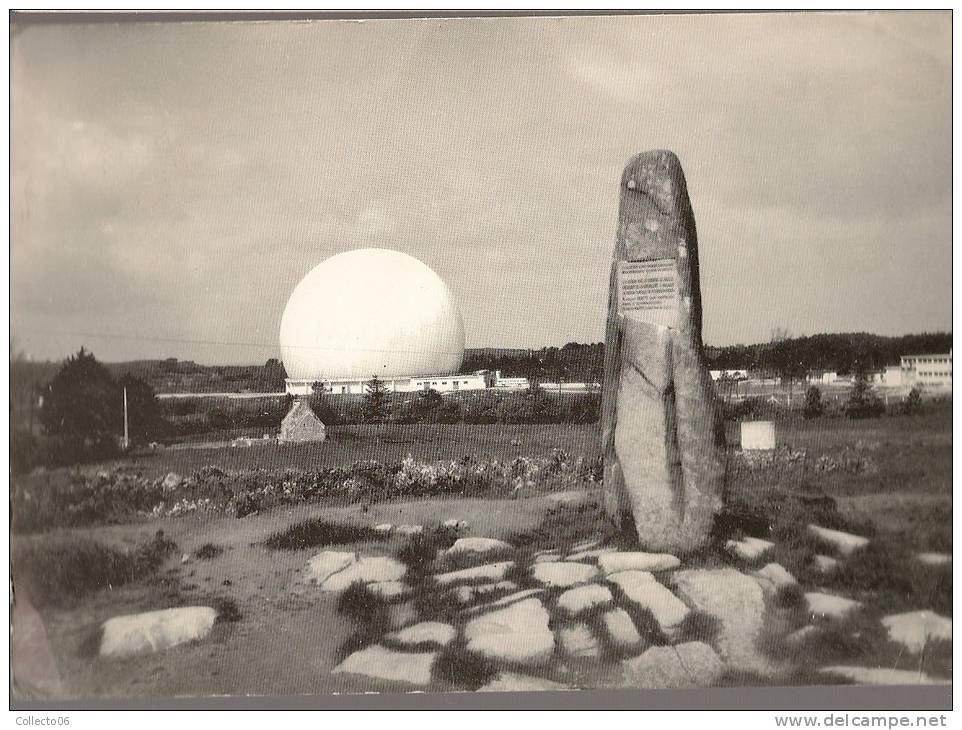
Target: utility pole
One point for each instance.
(126, 429)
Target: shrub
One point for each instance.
(318, 532)
(56, 572)
(813, 403)
(208, 551)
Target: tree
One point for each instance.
(862, 402)
(375, 400)
(83, 406)
(273, 375)
(813, 403)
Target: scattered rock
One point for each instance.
(507, 600)
(578, 642)
(426, 632)
(867, 675)
(184, 559)
(576, 600)
(797, 637)
(562, 575)
(772, 577)
(409, 529)
(480, 545)
(511, 682)
(693, 664)
(384, 528)
(466, 594)
(648, 593)
(455, 524)
(845, 542)
(518, 633)
(172, 481)
(648, 562)
(934, 558)
(366, 570)
(546, 558)
(915, 629)
(571, 498)
(488, 572)
(737, 601)
(585, 545)
(825, 564)
(141, 633)
(323, 565)
(621, 629)
(749, 548)
(826, 605)
(590, 554)
(396, 666)
(388, 589)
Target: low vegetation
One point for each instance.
(319, 533)
(61, 570)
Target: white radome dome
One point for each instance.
(371, 311)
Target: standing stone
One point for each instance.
(662, 433)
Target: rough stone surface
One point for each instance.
(578, 642)
(662, 439)
(455, 523)
(646, 592)
(621, 629)
(772, 577)
(489, 572)
(512, 682)
(648, 562)
(869, 675)
(384, 528)
(395, 666)
(388, 589)
(576, 600)
(825, 563)
(749, 548)
(409, 529)
(585, 545)
(518, 633)
(915, 629)
(737, 601)
(142, 633)
(172, 481)
(366, 570)
(692, 664)
(797, 637)
(590, 554)
(323, 565)
(466, 594)
(402, 614)
(934, 558)
(506, 600)
(562, 575)
(826, 605)
(845, 542)
(426, 632)
(479, 545)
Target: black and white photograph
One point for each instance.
(459, 355)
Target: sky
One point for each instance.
(172, 182)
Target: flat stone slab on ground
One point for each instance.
(648, 562)
(366, 570)
(141, 633)
(825, 563)
(388, 589)
(512, 682)
(576, 600)
(466, 594)
(384, 528)
(488, 572)
(426, 632)
(871, 675)
(395, 666)
(642, 588)
(562, 575)
(915, 629)
(578, 642)
(409, 529)
(590, 554)
(323, 565)
(827, 605)
(934, 558)
(737, 601)
(692, 664)
(506, 600)
(845, 542)
(480, 545)
(517, 634)
(621, 629)
(797, 637)
(749, 548)
(772, 577)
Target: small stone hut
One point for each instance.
(300, 424)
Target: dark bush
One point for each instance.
(813, 403)
(318, 532)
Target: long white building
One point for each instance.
(405, 384)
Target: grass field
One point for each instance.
(891, 477)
